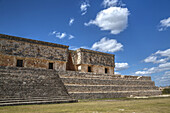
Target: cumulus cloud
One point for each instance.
(117, 73)
(159, 68)
(71, 21)
(164, 53)
(104, 45)
(162, 58)
(107, 45)
(163, 80)
(159, 57)
(108, 3)
(112, 3)
(164, 24)
(114, 19)
(70, 37)
(61, 35)
(84, 7)
(121, 66)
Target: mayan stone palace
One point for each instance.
(36, 72)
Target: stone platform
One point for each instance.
(95, 86)
(43, 86)
(20, 86)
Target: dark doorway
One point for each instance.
(106, 70)
(50, 66)
(89, 69)
(19, 63)
(69, 64)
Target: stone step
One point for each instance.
(88, 81)
(29, 100)
(70, 73)
(98, 76)
(33, 98)
(86, 88)
(38, 102)
(113, 94)
(110, 78)
(11, 100)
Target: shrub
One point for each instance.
(166, 91)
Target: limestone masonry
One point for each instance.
(51, 73)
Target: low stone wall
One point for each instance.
(102, 76)
(94, 81)
(98, 95)
(95, 88)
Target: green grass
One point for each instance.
(159, 105)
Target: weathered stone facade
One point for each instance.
(35, 54)
(98, 62)
(38, 54)
(36, 69)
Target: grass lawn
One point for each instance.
(158, 105)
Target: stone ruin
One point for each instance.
(37, 72)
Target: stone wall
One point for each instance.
(96, 81)
(96, 69)
(10, 61)
(93, 88)
(36, 54)
(98, 61)
(76, 74)
(95, 58)
(99, 95)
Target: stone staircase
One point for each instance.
(8, 101)
(21, 86)
(95, 86)
(37, 86)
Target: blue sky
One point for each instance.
(136, 31)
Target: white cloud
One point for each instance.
(104, 45)
(159, 68)
(150, 59)
(107, 45)
(117, 73)
(52, 33)
(162, 58)
(112, 3)
(108, 3)
(163, 80)
(71, 21)
(153, 59)
(121, 66)
(164, 24)
(71, 37)
(164, 53)
(159, 57)
(60, 35)
(114, 19)
(84, 7)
